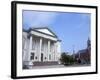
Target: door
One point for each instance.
(41, 57)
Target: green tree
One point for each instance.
(66, 59)
(63, 58)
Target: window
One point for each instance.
(32, 56)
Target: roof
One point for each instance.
(43, 30)
(82, 51)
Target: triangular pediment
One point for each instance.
(46, 31)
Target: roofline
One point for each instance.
(44, 33)
(38, 31)
(81, 50)
(25, 30)
(59, 40)
(46, 28)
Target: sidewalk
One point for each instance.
(59, 66)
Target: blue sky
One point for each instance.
(72, 28)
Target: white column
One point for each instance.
(48, 49)
(59, 49)
(30, 48)
(40, 49)
(55, 49)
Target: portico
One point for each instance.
(42, 46)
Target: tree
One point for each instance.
(66, 59)
(63, 58)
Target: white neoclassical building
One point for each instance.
(40, 46)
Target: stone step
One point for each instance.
(45, 63)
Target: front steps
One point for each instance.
(30, 65)
(45, 63)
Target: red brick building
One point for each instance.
(84, 56)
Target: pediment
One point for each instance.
(46, 31)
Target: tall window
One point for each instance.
(32, 56)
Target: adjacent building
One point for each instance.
(84, 55)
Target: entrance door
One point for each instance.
(41, 57)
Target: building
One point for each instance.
(40, 46)
(84, 55)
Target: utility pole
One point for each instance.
(73, 52)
